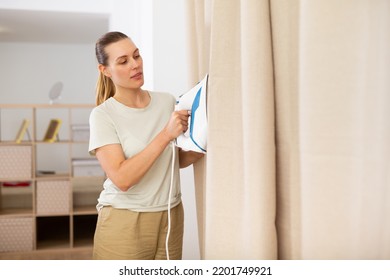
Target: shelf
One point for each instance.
(2, 180)
(54, 243)
(17, 212)
(16, 190)
(53, 232)
(16, 200)
(61, 142)
(57, 211)
(84, 210)
(84, 182)
(86, 191)
(84, 230)
(13, 143)
(62, 176)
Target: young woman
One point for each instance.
(131, 131)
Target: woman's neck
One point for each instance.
(133, 98)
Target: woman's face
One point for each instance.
(125, 66)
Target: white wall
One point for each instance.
(28, 71)
(158, 28)
(135, 18)
(91, 6)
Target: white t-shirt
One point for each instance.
(115, 123)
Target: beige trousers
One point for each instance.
(126, 235)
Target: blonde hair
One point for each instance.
(105, 88)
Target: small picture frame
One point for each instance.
(22, 131)
(51, 134)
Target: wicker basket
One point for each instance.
(16, 162)
(16, 234)
(53, 197)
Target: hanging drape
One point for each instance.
(298, 163)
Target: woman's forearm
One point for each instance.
(186, 158)
(125, 173)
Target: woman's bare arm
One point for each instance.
(187, 158)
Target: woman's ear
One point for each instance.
(103, 69)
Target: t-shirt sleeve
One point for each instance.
(102, 130)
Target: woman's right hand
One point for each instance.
(177, 124)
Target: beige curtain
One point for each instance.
(298, 163)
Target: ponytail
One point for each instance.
(104, 89)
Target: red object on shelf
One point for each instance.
(16, 184)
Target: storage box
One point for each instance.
(16, 234)
(80, 132)
(16, 162)
(85, 167)
(53, 197)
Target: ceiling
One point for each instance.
(51, 27)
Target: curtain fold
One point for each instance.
(233, 85)
(198, 14)
(285, 23)
(258, 203)
(298, 163)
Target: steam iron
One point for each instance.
(195, 100)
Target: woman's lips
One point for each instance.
(137, 76)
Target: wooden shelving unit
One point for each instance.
(54, 217)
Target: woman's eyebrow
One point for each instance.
(120, 57)
(125, 56)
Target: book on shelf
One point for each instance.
(86, 167)
(80, 132)
(22, 131)
(51, 134)
(17, 184)
(45, 172)
(85, 161)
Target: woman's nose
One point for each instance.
(134, 63)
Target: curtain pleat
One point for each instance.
(198, 14)
(258, 204)
(285, 26)
(240, 193)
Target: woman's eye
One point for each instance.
(122, 61)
